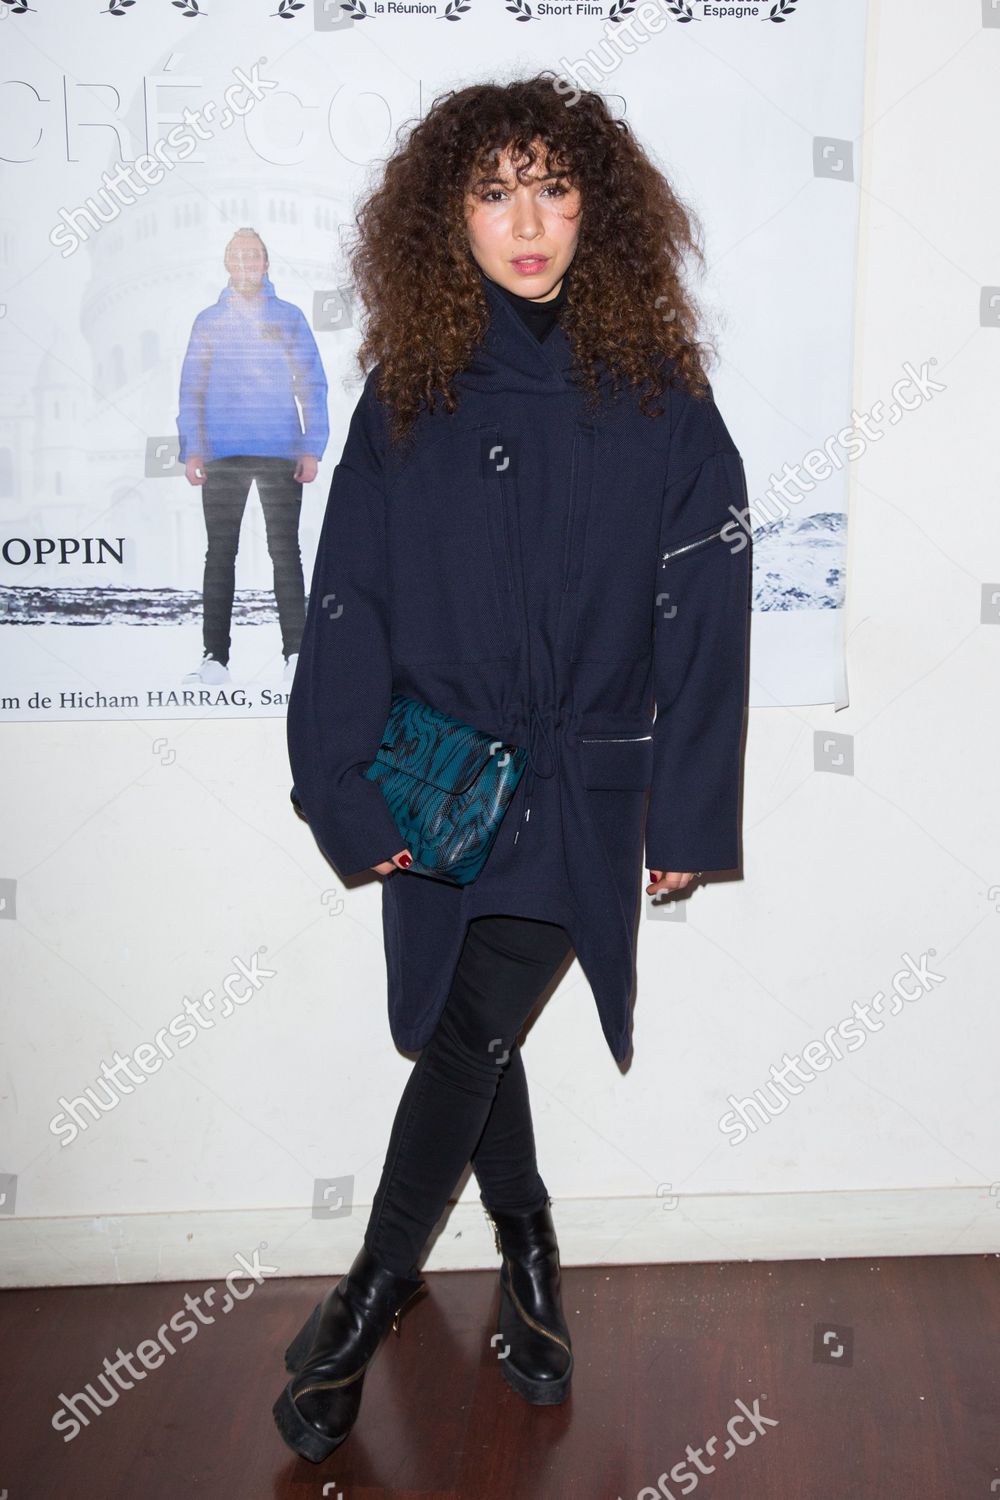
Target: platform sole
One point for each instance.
(538, 1392)
(300, 1436)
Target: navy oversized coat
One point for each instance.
(507, 568)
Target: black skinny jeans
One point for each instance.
(467, 1097)
(224, 497)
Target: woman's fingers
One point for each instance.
(388, 867)
(669, 880)
(398, 862)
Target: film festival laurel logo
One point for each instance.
(681, 11)
(333, 15)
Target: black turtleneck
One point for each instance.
(539, 317)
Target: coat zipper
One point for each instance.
(689, 546)
(581, 479)
(571, 511)
(507, 582)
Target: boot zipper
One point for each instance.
(495, 1228)
(527, 1316)
(332, 1385)
(395, 1317)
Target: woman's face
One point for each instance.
(523, 233)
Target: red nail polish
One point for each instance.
(405, 859)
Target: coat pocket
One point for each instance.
(693, 542)
(615, 760)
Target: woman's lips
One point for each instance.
(530, 265)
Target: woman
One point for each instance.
(536, 434)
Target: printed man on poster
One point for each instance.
(249, 357)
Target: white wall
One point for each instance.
(139, 881)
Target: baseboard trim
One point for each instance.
(592, 1231)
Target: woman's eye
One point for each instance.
(557, 188)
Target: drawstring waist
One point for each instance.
(543, 758)
(538, 732)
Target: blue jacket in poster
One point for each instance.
(246, 361)
(549, 575)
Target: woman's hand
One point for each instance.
(398, 862)
(670, 880)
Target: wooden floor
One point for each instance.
(883, 1380)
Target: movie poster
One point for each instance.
(178, 330)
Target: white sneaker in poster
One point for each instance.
(209, 671)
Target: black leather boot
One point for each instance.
(538, 1361)
(331, 1352)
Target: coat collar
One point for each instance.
(510, 357)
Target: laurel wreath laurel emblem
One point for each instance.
(682, 11)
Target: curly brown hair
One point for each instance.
(422, 328)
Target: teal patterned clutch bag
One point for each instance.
(447, 785)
